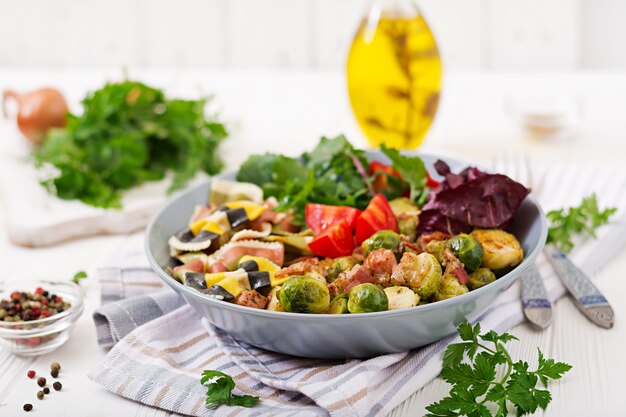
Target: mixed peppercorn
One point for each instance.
(41, 381)
(27, 306)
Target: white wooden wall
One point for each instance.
(474, 34)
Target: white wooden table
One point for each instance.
(288, 112)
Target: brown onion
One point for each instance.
(37, 112)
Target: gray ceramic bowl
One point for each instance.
(349, 335)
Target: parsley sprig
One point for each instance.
(219, 391)
(477, 388)
(584, 219)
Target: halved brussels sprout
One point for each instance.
(401, 297)
(501, 249)
(339, 305)
(436, 248)
(407, 214)
(480, 278)
(384, 239)
(420, 272)
(367, 298)
(304, 294)
(467, 249)
(450, 287)
(339, 265)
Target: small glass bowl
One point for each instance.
(37, 337)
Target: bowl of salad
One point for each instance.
(345, 253)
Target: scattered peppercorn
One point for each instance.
(54, 373)
(31, 374)
(46, 390)
(41, 381)
(28, 407)
(57, 386)
(27, 306)
(40, 395)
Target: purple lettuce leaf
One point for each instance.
(471, 199)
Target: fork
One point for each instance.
(536, 304)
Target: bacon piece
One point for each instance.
(425, 238)
(217, 267)
(333, 290)
(251, 298)
(193, 266)
(354, 276)
(301, 268)
(381, 263)
(454, 267)
(287, 225)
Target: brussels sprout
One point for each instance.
(480, 278)
(339, 305)
(436, 248)
(501, 249)
(304, 294)
(450, 287)
(467, 249)
(401, 297)
(367, 298)
(339, 265)
(385, 239)
(420, 272)
(407, 213)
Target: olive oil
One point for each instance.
(394, 79)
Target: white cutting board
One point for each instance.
(34, 218)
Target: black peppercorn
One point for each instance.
(46, 390)
(41, 381)
(54, 373)
(57, 386)
(28, 407)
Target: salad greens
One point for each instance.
(129, 133)
(334, 173)
(491, 380)
(566, 223)
(219, 391)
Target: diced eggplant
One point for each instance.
(249, 265)
(220, 293)
(201, 241)
(237, 217)
(259, 280)
(196, 280)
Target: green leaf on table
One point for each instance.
(584, 219)
(219, 391)
(477, 381)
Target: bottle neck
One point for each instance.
(395, 8)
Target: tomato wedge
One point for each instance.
(377, 216)
(380, 183)
(430, 182)
(319, 217)
(334, 242)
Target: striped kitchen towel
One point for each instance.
(162, 345)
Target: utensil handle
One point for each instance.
(536, 304)
(588, 297)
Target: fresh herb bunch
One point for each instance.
(129, 133)
(585, 219)
(413, 171)
(477, 390)
(219, 391)
(334, 173)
